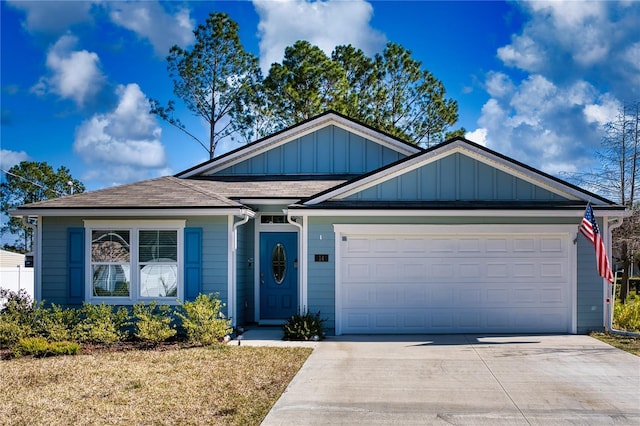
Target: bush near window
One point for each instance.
(152, 322)
(57, 324)
(30, 328)
(305, 326)
(203, 320)
(101, 324)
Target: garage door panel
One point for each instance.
(448, 284)
(451, 321)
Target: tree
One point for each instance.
(412, 101)
(390, 92)
(30, 182)
(215, 80)
(306, 84)
(617, 179)
(620, 173)
(627, 243)
(360, 99)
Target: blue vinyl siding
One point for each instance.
(590, 289)
(215, 249)
(321, 275)
(455, 177)
(330, 150)
(55, 278)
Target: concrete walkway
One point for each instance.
(461, 380)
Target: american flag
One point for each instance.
(589, 228)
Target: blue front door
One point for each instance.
(278, 275)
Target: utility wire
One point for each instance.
(61, 194)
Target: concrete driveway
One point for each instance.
(462, 380)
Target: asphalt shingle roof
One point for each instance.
(163, 192)
(172, 192)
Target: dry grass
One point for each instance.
(626, 343)
(197, 386)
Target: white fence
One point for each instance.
(17, 278)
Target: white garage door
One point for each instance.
(454, 280)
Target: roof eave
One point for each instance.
(131, 212)
(297, 210)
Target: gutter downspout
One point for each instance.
(233, 279)
(616, 224)
(302, 256)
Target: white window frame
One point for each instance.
(134, 227)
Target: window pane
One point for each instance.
(159, 281)
(158, 246)
(110, 280)
(110, 246)
(278, 263)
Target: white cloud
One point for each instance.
(602, 112)
(499, 84)
(124, 144)
(522, 53)
(478, 136)
(75, 74)
(53, 17)
(580, 61)
(325, 24)
(9, 158)
(547, 126)
(149, 20)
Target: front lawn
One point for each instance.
(626, 343)
(230, 385)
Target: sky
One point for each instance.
(534, 81)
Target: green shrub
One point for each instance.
(64, 348)
(17, 316)
(152, 322)
(40, 347)
(101, 324)
(304, 327)
(56, 323)
(627, 317)
(36, 346)
(203, 320)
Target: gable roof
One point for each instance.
(329, 118)
(557, 193)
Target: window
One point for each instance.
(135, 262)
(273, 218)
(110, 263)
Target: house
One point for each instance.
(330, 215)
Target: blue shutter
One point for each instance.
(75, 264)
(192, 262)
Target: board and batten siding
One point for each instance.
(330, 150)
(455, 177)
(321, 278)
(321, 275)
